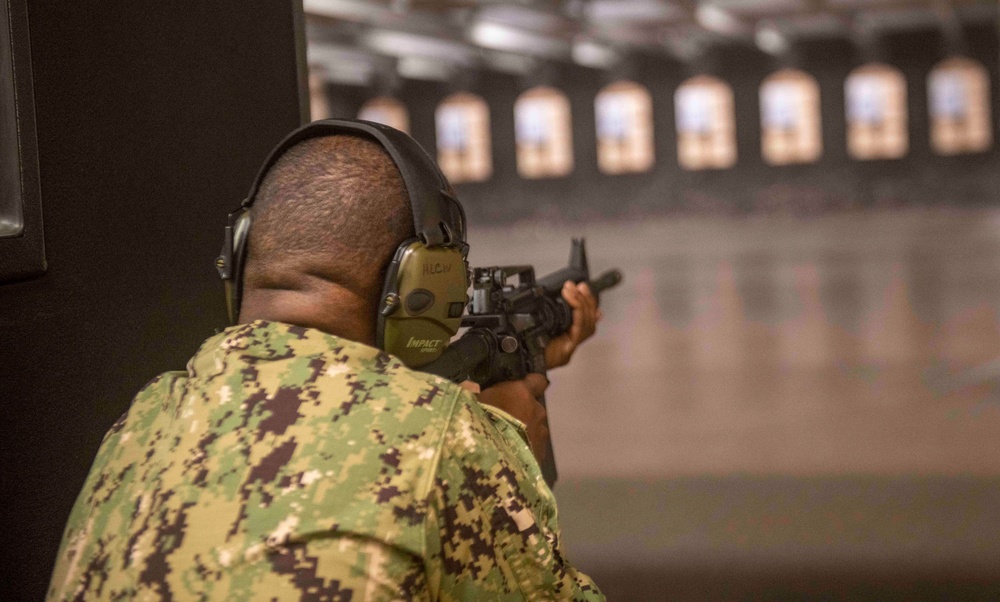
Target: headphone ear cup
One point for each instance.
(422, 302)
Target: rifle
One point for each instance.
(510, 325)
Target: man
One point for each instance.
(293, 460)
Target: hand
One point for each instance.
(520, 399)
(585, 318)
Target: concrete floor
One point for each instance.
(815, 396)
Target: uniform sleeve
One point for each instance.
(339, 567)
(491, 526)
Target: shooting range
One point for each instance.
(793, 393)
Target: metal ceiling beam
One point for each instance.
(514, 36)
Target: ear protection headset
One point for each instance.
(427, 279)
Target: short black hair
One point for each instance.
(334, 207)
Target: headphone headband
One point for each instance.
(438, 217)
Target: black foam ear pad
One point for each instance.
(232, 259)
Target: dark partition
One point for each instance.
(151, 121)
(22, 251)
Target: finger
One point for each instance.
(577, 327)
(536, 383)
(575, 300)
(470, 386)
(589, 299)
(588, 313)
(572, 295)
(582, 299)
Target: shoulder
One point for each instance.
(492, 525)
(395, 396)
(148, 403)
(485, 446)
(497, 533)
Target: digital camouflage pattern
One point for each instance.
(287, 463)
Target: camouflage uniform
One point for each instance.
(291, 464)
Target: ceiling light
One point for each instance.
(347, 74)
(348, 10)
(770, 40)
(592, 54)
(423, 68)
(758, 8)
(632, 10)
(520, 16)
(342, 65)
(717, 20)
(504, 37)
(404, 44)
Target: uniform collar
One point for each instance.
(262, 340)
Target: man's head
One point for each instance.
(326, 220)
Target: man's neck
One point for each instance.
(323, 305)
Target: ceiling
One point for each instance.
(352, 41)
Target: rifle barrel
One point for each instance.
(605, 281)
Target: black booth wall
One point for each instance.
(152, 120)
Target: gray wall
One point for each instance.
(151, 120)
